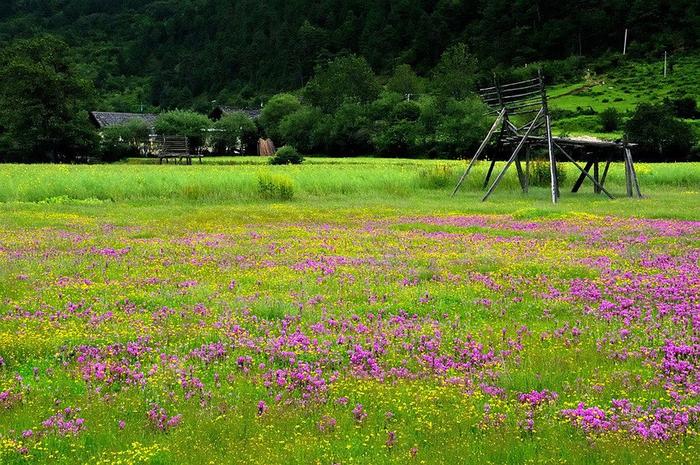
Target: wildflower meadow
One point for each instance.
(349, 331)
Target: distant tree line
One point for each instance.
(344, 109)
(186, 53)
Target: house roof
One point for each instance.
(105, 119)
(222, 110)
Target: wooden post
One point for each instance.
(605, 173)
(521, 174)
(633, 173)
(628, 175)
(527, 169)
(596, 189)
(550, 144)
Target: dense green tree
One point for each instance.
(658, 132)
(275, 110)
(233, 130)
(405, 81)
(456, 72)
(42, 103)
(344, 79)
(184, 123)
(304, 129)
(169, 52)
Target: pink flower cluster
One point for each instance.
(65, 422)
(160, 420)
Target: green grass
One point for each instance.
(623, 88)
(210, 224)
(338, 182)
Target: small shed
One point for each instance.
(105, 119)
(219, 111)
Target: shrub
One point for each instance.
(657, 132)
(436, 177)
(609, 120)
(275, 187)
(540, 174)
(684, 107)
(287, 155)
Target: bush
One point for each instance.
(657, 132)
(275, 187)
(684, 107)
(436, 177)
(184, 123)
(287, 155)
(540, 175)
(609, 120)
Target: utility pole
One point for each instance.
(624, 46)
(665, 63)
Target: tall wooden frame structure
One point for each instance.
(528, 100)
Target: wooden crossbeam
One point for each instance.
(582, 177)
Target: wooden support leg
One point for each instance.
(521, 174)
(580, 168)
(512, 158)
(527, 169)
(633, 172)
(596, 176)
(480, 150)
(552, 162)
(579, 181)
(488, 173)
(628, 177)
(605, 173)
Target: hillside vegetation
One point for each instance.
(185, 53)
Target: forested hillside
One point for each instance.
(186, 53)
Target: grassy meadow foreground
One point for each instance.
(191, 314)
